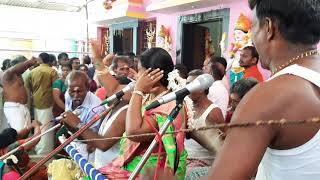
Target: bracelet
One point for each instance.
(138, 93)
(97, 65)
(103, 72)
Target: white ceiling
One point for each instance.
(58, 5)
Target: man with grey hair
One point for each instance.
(79, 97)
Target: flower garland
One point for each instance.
(176, 82)
(107, 4)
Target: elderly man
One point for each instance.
(79, 97)
(112, 126)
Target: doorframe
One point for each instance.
(223, 14)
(125, 25)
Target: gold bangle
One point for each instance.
(98, 65)
(138, 93)
(103, 72)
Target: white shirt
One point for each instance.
(219, 95)
(91, 101)
(300, 163)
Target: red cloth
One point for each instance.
(12, 175)
(253, 72)
(101, 93)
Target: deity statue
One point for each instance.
(164, 39)
(150, 35)
(209, 50)
(242, 38)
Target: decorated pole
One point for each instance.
(82, 162)
(69, 140)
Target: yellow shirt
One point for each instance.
(40, 84)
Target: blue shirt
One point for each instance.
(91, 101)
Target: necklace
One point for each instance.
(303, 55)
(150, 99)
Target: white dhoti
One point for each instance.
(46, 144)
(18, 115)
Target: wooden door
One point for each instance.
(199, 46)
(127, 40)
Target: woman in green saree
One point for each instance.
(154, 67)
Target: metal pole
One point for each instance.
(85, 4)
(87, 24)
(164, 128)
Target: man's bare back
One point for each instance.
(13, 85)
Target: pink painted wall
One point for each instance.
(171, 21)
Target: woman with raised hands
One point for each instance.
(153, 68)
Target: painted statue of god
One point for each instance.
(242, 38)
(164, 40)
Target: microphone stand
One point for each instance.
(174, 113)
(69, 140)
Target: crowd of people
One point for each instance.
(36, 91)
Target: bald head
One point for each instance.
(78, 87)
(77, 75)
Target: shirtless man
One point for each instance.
(286, 34)
(287, 48)
(16, 97)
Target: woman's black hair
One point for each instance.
(243, 86)
(7, 137)
(155, 58)
(6, 64)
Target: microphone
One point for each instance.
(202, 82)
(119, 94)
(77, 112)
